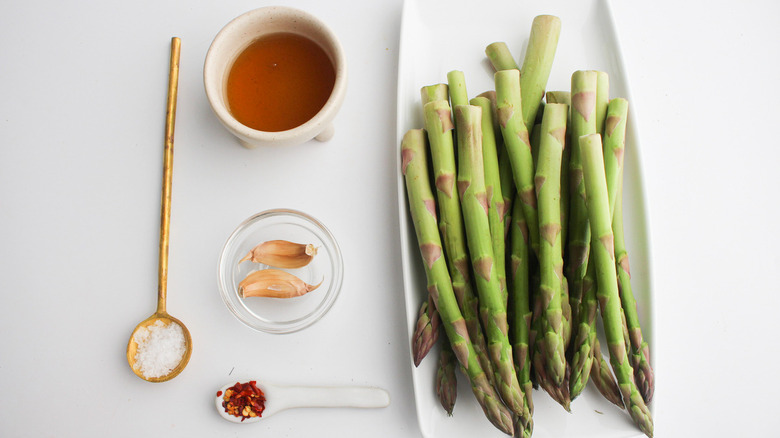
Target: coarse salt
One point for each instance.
(160, 348)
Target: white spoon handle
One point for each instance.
(331, 397)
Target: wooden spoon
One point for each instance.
(165, 220)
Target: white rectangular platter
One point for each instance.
(438, 36)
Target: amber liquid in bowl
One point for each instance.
(279, 82)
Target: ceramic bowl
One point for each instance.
(240, 33)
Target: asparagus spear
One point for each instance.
(539, 55)
(446, 381)
(500, 57)
(614, 145)
(457, 86)
(559, 393)
(426, 331)
(520, 304)
(507, 188)
(471, 186)
(429, 93)
(601, 375)
(496, 206)
(602, 241)
(583, 122)
(558, 97)
(568, 322)
(438, 123)
(640, 351)
(582, 357)
(585, 338)
(423, 211)
(518, 146)
(547, 182)
(614, 135)
(536, 136)
(540, 356)
(602, 99)
(504, 166)
(564, 97)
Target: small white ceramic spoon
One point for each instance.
(279, 398)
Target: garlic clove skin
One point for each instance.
(274, 283)
(282, 254)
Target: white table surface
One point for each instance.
(82, 103)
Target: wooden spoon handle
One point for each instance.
(165, 207)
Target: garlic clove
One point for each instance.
(274, 283)
(282, 254)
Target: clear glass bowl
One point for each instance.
(281, 315)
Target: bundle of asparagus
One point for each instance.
(520, 228)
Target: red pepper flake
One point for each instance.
(244, 400)
(219, 393)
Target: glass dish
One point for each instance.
(281, 315)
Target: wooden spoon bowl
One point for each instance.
(132, 347)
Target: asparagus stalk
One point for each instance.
(614, 146)
(507, 188)
(602, 99)
(423, 211)
(438, 123)
(583, 122)
(496, 206)
(584, 342)
(559, 393)
(582, 358)
(426, 331)
(614, 134)
(601, 375)
(568, 322)
(537, 64)
(536, 136)
(518, 146)
(539, 55)
(504, 166)
(457, 86)
(474, 203)
(490, 95)
(500, 57)
(446, 381)
(640, 351)
(609, 298)
(564, 97)
(520, 304)
(558, 97)
(429, 93)
(547, 182)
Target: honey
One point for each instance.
(279, 82)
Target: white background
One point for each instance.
(82, 104)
